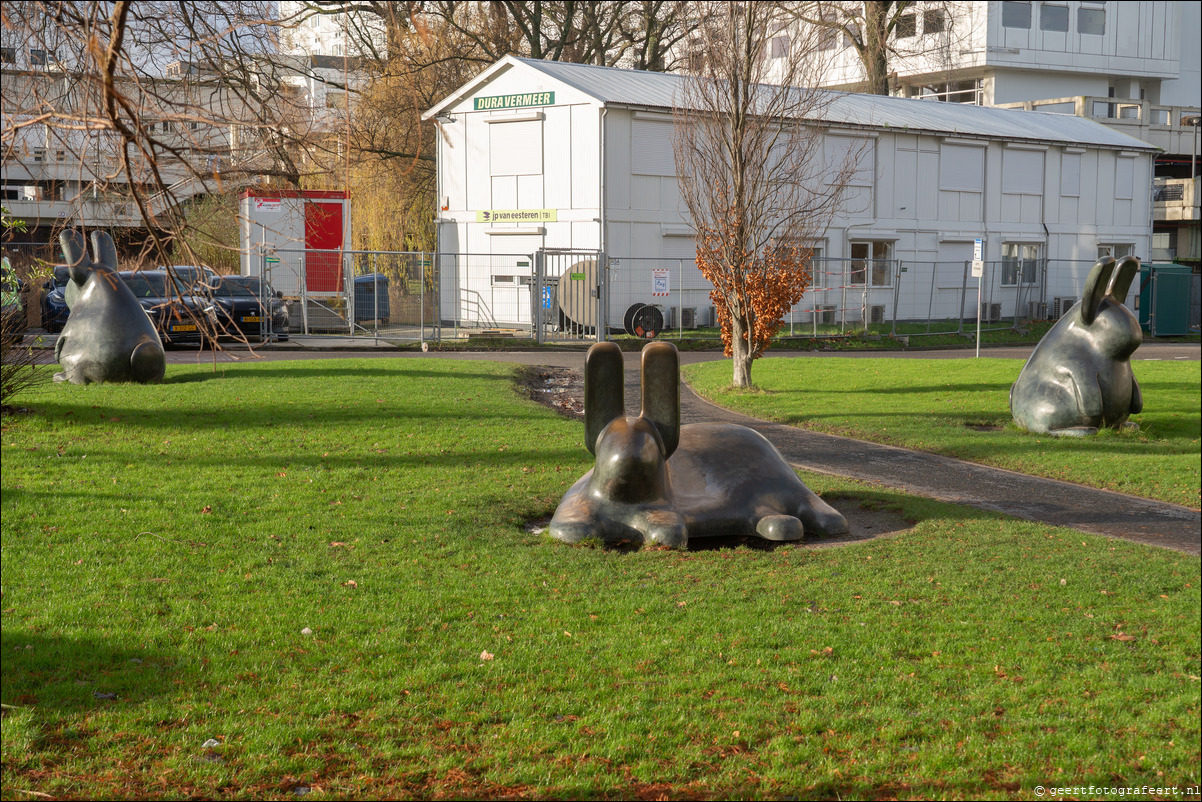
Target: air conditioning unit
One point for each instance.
(1060, 306)
(1037, 310)
(826, 314)
(876, 313)
(991, 313)
(682, 317)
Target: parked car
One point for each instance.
(12, 319)
(247, 306)
(54, 301)
(177, 313)
(193, 275)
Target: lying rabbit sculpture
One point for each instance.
(108, 337)
(661, 483)
(1078, 379)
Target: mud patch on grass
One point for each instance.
(560, 389)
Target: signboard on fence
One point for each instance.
(659, 281)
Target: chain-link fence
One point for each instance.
(413, 296)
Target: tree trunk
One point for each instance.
(740, 354)
(875, 55)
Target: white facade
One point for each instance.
(1020, 51)
(586, 157)
(307, 31)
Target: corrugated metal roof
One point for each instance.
(658, 90)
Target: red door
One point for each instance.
(323, 232)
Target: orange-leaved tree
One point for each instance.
(771, 282)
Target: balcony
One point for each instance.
(87, 213)
(1175, 199)
(1166, 127)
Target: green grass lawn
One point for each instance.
(960, 408)
(324, 568)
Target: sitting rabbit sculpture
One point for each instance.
(108, 337)
(661, 483)
(1078, 379)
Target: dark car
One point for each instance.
(54, 301)
(177, 313)
(248, 307)
(193, 275)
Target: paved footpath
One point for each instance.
(1047, 500)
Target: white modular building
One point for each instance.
(551, 156)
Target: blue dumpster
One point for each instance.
(371, 298)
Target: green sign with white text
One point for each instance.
(514, 101)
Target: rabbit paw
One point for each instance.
(575, 528)
(663, 528)
(780, 527)
(1074, 431)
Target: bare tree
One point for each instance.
(756, 174)
(152, 103)
(130, 114)
(884, 33)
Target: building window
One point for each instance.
(1116, 250)
(1020, 264)
(828, 32)
(906, 26)
(933, 21)
(1053, 18)
(779, 45)
(8, 55)
(952, 92)
(1091, 21)
(1016, 15)
(870, 264)
(37, 57)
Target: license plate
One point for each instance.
(184, 328)
(252, 319)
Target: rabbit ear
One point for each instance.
(661, 392)
(604, 390)
(1124, 274)
(1095, 288)
(103, 250)
(75, 251)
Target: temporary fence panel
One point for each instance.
(297, 273)
(569, 293)
(381, 294)
(395, 294)
(486, 291)
(648, 297)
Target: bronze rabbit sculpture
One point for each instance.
(108, 336)
(1078, 379)
(660, 483)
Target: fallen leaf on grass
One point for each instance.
(1121, 636)
(486, 655)
(350, 583)
(207, 510)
